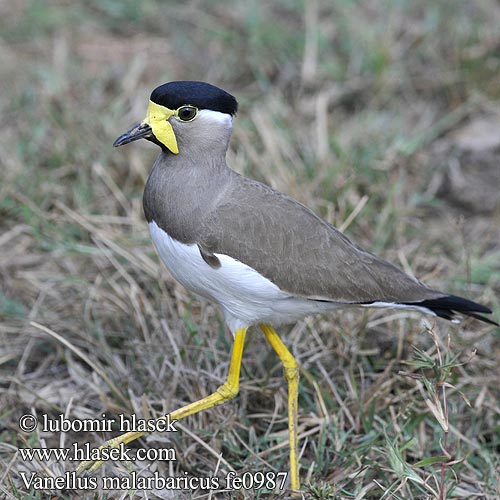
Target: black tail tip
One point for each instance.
(448, 306)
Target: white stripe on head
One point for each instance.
(215, 116)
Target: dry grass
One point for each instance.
(354, 109)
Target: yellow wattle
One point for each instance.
(157, 118)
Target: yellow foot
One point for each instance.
(226, 391)
(90, 466)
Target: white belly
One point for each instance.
(245, 296)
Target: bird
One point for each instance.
(262, 256)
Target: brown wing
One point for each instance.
(300, 252)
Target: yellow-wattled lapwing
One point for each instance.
(265, 258)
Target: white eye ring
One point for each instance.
(186, 113)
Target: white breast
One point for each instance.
(245, 296)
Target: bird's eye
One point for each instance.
(187, 113)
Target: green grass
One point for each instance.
(350, 108)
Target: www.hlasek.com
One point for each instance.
(81, 453)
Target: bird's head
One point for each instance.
(184, 113)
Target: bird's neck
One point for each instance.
(180, 192)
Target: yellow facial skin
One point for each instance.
(157, 118)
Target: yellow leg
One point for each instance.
(228, 390)
(291, 369)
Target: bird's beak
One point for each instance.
(140, 131)
(156, 127)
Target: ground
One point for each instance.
(382, 117)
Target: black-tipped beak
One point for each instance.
(139, 131)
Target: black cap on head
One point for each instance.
(173, 95)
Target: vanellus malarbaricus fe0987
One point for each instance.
(265, 258)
